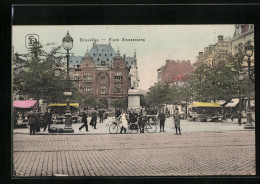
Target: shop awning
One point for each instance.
(205, 104)
(220, 102)
(24, 103)
(64, 105)
(233, 103)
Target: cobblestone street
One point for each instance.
(158, 154)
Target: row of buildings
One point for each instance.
(177, 73)
(216, 52)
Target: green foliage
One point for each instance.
(222, 81)
(34, 76)
(121, 103)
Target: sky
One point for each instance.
(161, 42)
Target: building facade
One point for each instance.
(243, 33)
(213, 53)
(104, 74)
(167, 73)
(217, 52)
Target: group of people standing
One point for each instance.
(141, 117)
(34, 121)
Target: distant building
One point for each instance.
(167, 74)
(213, 53)
(242, 34)
(179, 81)
(220, 50)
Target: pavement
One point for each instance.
(186, 126)
(159, 154)
(203, 149)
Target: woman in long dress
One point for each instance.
(124, 121)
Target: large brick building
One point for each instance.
(167, 74)
(103, 73)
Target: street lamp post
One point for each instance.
(67, 43)
(240, 78)
(249, 49)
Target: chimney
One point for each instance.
(178, 61)
(209, 47)
(167, 61)
(220, 38)
(206, 49)
(200, 53)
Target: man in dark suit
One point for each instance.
(94, 118)
(162, 118)
(47, 118)
(84, 120)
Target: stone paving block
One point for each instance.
(198, 153)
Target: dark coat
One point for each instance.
(84, 117)
(161, 117)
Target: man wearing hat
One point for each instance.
(176, 118)
(162, 118)
(84, 120)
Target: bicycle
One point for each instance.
(113, 128)
(143, 124)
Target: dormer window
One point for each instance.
(103, 63)
(107, 59)
(97, 59)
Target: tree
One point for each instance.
(221, 82)
(34, 76)
(121, 103)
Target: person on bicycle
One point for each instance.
(124, 121)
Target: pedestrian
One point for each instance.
(176, 118)
(239, 117)
(101, 116)
(32, 123)
(162, 118)
(124, 121)
(84, 120)
(47, 119)
(118, 112)
(232, 116)
(94, 119)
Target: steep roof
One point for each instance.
(74, 61)
(129, 61)
(102, 53)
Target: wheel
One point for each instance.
(133, 128)
(151, 127)
(113, 128)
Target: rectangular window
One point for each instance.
(103, 89)
(88, 76)
(118, 77)
(103, 78)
